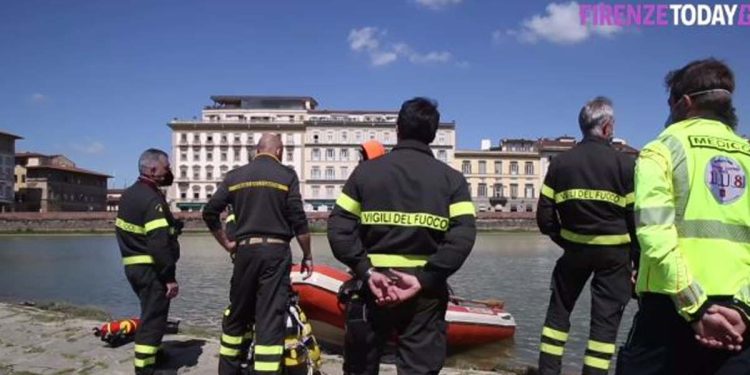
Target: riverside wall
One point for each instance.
(103, 222)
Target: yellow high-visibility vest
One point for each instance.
(692, 214)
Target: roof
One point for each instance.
(31, 154)
(2, 133)
(70, 169)
(352, 112)
(239, 98)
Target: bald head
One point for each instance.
(270, 144)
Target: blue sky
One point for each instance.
(98, 80)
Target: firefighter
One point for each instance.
(403, 224)
(693, 216)
(370, 150)
(586, 207)
(147, 236)
(268, 211)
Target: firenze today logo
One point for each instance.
(620, 14)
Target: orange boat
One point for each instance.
(468, 325)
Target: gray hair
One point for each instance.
(151, 158)
(594, 114)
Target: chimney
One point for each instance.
(485, 145)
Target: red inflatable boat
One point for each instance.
(468, 325)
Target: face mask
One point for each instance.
(167, 180)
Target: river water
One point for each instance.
(514, 267)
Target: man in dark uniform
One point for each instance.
(590, 190)
(268, 211)
(147, 235)
(403, 223)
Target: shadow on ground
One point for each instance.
(179, 354)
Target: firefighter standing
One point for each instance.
(693, 215)
(268, 211)
(590, 189)
(147, 236)
(408, 215)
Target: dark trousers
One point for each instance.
(259, 295)
(610, 292)
(154, 310)
(662, 342)
(419, 326)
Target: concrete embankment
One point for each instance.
(58, 339)
(93, 222)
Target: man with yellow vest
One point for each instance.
(693, 224)
(404, 223)
(587, 208)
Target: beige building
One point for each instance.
(7, 165)
(321, 145)
(504, 178)
(54, 183)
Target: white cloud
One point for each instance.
(438, 4)
(90, 147)
(38, 98)
(561, 24)
(369, 40)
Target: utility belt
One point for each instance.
(257, 240)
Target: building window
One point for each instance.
(498, 167)
(466, 167)
(237, 139)
(209, 156)
(183, 195)
(358, 136)
(330, 137)
(315, 191)
(329, 191)
(196, 195)
(196, 155)
(316, 154)
(529, 191)
(471, 193)
(315, 137)
(209, 174)
(513, 191)
(236, 154)
(223, 156)
(344, 172)
(442, 156)
(183, 138)
(482, 167)
(330, 173)
(344, 136)
(250, 139)
(529, 168)
(223, 169)
(315, 173)
(209, 139)
(196, 173)
(290, 139)
(330, 154)
(196, 138)
(372, 135)
(441, 138)
(482, 190)
(183, 156)
(498, 191)
(387, 137)
(514, 167)
(290, 155)
(224, 139)
(344, 154)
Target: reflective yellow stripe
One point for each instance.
(548, 192)
(229, 352)
(555, 334)
(233, 340)
(138, 259)
(349, 204)
(405, 219)
(596, 362)
(269, 349)
(128, 227)
(690, 299)
(602, 347)
(230, 218)
(394, 260)
(146, 349)
(595, 239)
(267, 366)
(156, 224)
(591, 195)
(630, 198)
(461, 208)
(138, 362)
(259, 184)
(552, 349)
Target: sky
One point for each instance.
(99, 80)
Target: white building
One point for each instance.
(321, 145)
(7, 167)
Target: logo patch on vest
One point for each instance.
(726, 179)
